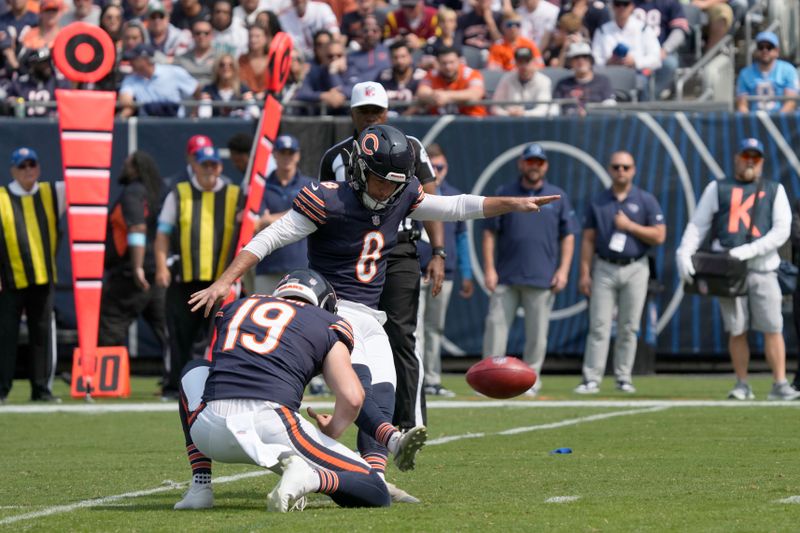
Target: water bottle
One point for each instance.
(205, 110)
(19, 107)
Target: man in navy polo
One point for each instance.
(620, 226)
(282, 186)
(526, 258)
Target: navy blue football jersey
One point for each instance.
(269, 348)
(352, 242)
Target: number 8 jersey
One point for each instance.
(351, 243)
(269, 348)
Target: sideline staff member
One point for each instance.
(29, 213)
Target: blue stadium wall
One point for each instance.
(676, 155)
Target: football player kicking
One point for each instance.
(351, 228)
(242, 408)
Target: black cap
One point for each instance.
(140, 50)
(523, 53)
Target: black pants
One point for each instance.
(400, 301)
(123, 302)
(37, 303)
(189, 333)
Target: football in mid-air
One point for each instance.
(501, 377)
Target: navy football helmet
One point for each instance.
(386, 152)
(307, 285)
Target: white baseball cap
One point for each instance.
(369, 93)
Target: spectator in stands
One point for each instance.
(17, 20)
(538, 21)
(280, 190)
(199, 61)
(253, 65)
(324, 83)
(352, 20)
(414, 21)
(525, 85)
(667, 19)
(585, 85)
(135, 10)
(45, 33)
(367, 63)
(186, 12)
(165, 37)
(569, 30)
(268, 20)
(111, 23)
(402, 79)
(82, 11)
(25, 252)
(501, 53)
(449, 88)
(246, 12)
(227, 86)
(304, 19)
(480, 27)
(626, 41)
(340, 7)
(229, 38)
(322, 39)
(297, 75)
(448, 35)
(591, 13)
(720, 19)
(767, 76)
(154, 89)
(133, 34)
(38, 84)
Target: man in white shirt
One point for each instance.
(247, 10)
(750, 230)
(229, 38)
(305, 19)
(82, 11)
(628, 42)
(539, 19)
(525, 84)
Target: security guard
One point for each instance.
(29, 213)
(197, 223)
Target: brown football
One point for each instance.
(501, 377)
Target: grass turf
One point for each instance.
(675, 469)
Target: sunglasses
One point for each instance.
(27, 164)
(755, 158)
(621, 167)
(766, 46)
(157, 16)
(513, 24)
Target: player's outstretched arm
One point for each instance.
(500, 205)
(470, 206)
(343, 382)
(208, 297)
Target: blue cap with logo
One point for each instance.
(207, 153)
(751, 145)
(768, 37)
(287, 142)
(534, 151)
(22, 154)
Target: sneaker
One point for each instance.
(46, 398)
(626, 386)
(783, 391)
(411, 441)
(438, 390)
(587, 387)
(534, 391)
(399, 495)
(289, 494)
(199, 496)
(742, 391)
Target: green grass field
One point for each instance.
(648, 465)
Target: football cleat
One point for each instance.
(399, 495)
(411, 441)
(289, 494)
(199, 496)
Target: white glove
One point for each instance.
(740, 253)
(685, 268)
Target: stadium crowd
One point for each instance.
(433, 57)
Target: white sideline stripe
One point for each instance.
(562, 499)
(170, 407)
(171, 485)
(167, 487)
(790, 499)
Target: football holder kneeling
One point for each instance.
(111, 375)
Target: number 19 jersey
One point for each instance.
(351, 242)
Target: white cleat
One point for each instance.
(199, 496)
(289, 494)
(399, 495)
(411, 441)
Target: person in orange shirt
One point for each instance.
(501, 53)
(447, 89)
(43, 35)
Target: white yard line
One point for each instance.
(562, 499)
(790, 499)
